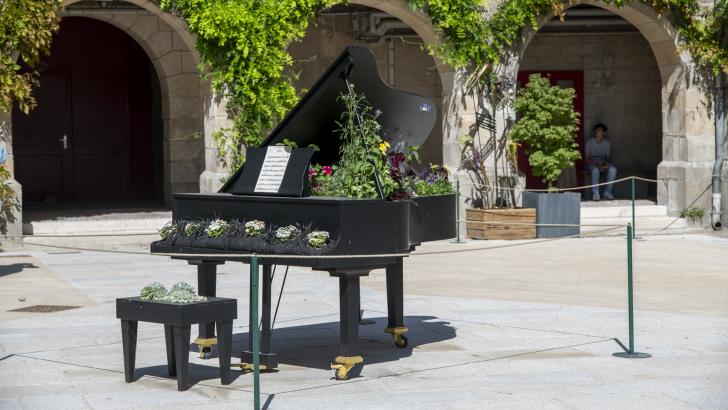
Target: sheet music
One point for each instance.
(273, 169)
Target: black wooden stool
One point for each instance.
(177, 319)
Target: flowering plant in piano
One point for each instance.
(287, 233)
(217, 228)
(254, 228)
(317, 239)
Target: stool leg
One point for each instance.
(181, 353)
(128, 342)
(224, 346)
(169, 340)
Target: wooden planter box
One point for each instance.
(506, 223)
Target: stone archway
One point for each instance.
(687, 135)
(170, 47)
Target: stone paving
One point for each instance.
(513, 328)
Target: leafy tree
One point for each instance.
(548, 125)
(26, 30)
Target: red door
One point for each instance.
(564, 79)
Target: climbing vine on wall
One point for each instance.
(242, 46)
(474, 36)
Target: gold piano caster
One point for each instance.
(249, 367)
(205, 346)
(400, 340)
(343, 365)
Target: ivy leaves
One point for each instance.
(26, 31)
(242, 46)
(474, 37)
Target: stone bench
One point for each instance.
(177, 319)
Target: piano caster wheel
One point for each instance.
(205, 353)
(400, 340)
(343, 365)
(205, 346)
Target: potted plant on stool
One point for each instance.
(548, 124)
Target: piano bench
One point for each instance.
(177, 319)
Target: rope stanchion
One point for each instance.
(277, 256)
(630, 353)
(254, 273)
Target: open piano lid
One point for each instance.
(406, 119)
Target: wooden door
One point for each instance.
(41, 148)
(564, 79)
(100, 136)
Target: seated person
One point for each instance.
(597, 151)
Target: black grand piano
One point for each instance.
(387, 229)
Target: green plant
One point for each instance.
(317, 239)
(287, 233)
(8, 201)
(153, 291)
(26, 30)
(181, 292)
(169, 229)
(254, 228)
(217, 228)
(548, 125)
(433, 182)
(693, 214)
(191, 228)
(361, 157)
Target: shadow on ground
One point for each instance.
(15, 268)
(196, 373)
(316, 345)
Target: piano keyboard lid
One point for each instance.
(406, 118)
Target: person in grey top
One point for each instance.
(597, 152)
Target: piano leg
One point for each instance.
(268, 360)
(349, 304)
(395, 303)
(206, 286)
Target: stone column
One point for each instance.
(215, 173)
(15, 227)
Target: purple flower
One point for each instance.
(327, 170)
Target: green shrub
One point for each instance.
(548, 125)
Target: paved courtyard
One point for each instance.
(511, 328)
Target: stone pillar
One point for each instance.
(15, 227)
(688, 146)
(215, 173)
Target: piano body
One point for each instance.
(357, 226)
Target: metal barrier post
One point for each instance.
(634, 229)
(630, 353)
(457, 211)
(255, 329)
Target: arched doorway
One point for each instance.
(96, 134)
(613, 69)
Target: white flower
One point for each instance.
(317, 239)
(216, 228)
(254, 227)
(287, 233)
